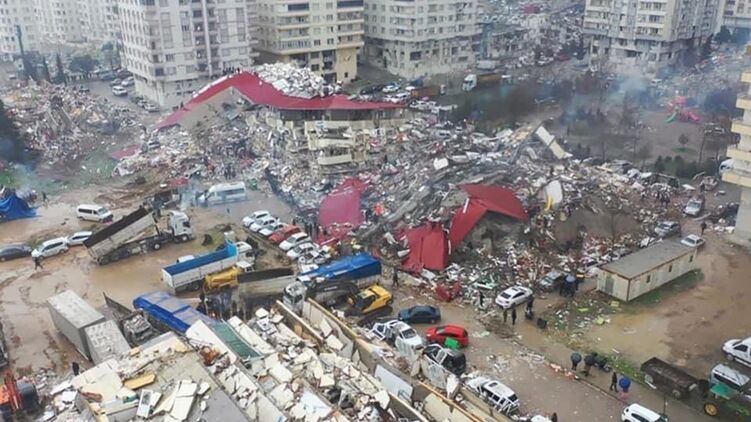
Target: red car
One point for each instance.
(282, 235)
(442, 332)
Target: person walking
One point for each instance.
(480, 299)
(575, 359)
(531, 303)
(38, 263)
(513, 316)
(554, 417)
(589, 361)
(76, 368)
(44, 197)
(395, 279)
(505, 315)
(703, 227)
(614, 382)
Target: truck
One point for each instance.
(486, 65)
(473, 80)
(669, 378)
(168, 312)
(124, 237)
(241, 272)
(189, 274)
(330, 283)
(428, 91)
(134, 325)
(263, 291)
(71, 315)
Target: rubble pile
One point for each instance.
(294, 81)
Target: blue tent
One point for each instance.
(13, 207)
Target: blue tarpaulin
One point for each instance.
(13, 208)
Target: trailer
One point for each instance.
(428, 91)
(473, 80)
(669, 378)
(71, 316)
(106, 342)
(190, 274)
(168, 312)
(263, 292)
(125, 237)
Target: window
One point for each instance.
(169, 57)
(298, 7)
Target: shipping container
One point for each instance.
(71, 316)
(106, 342)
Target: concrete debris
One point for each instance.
(294, 81)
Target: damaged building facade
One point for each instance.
(174, 49)
(421, 38)
(325, 36)
(646, 36)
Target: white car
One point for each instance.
(294, 240)
(314, 256)
(119, 91)
(151, 108)
(271, 229)
(390, 330)
(78, 238)
(250, 219)
(737, 350)
(263, 222)
(298, 250)
(390, 89)
(50, 248)
(497, 394)
(513, 296)
(692, 241)
(638, 413)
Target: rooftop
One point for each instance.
(638, 263)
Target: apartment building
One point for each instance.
(644, 36)
(422, 37)
(735, 14)
(324, 35)
(99, 20)
(13, 14)
(174, 47)
(59, 21)
(739, 172)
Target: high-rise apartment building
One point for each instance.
(14, 14)
(735, 14)
(99, 20)
(646, 35)
(59, 20)
(324, 35)
(173, 47)
(422, 37)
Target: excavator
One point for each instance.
(16, 396)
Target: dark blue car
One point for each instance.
(421, 314)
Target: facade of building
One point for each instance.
(59, 21)
(174, 47)
(14, 14)
(324, 35)
(99, 20)
(740, 171)
(421, 38)
(646, 35)
(735, 14)
(645, 270)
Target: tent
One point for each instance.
(12, 208)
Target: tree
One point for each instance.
(11, 143)
(84, 64)
(659, 165)
(60, 78)
(643, 153)
(108, 49)
(723, 36)
(683, 140)
(706, 48)
(45, 70)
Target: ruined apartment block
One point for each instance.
(419, 38)
(739, 172)
(325, 36)
(173, 47)
(644, 36)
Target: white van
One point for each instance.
(93, 212)
(224, 193)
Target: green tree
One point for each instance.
(83, 63)
(11, 142)
(109, 52)
(723, 36)
(706, 48)
(60, 78)
(659, 165)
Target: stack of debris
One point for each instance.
(294, 81)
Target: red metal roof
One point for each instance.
(259, 92)
(483, 198)
(342, 205)
(428, 248)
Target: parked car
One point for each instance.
(267, 231)
(389, 331)
(294, 240)
(50, 248)
(14, 251)
(263, 222)
(282, 235)
(738, 350)
(300, 249)
(668, 228)
(513, 296)
(151, 107)
(453, 361)
(119, 91)
(78, 238)
(127, 82)
(390, 89)
(733, 379)
(638, 413)
(420, 314)
(550, 281)
(93, 212)
(442, 332)
(250, 219)
(693, 241)
(497, 394)
(314, 256)
(694, 207)
(725, 211)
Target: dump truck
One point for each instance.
(190, 274)
(473, 80)
(134, 325)
(167, 312)
(329, 284)
(127, 236)
(263, 291)
(242, 272)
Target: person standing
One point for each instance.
(575, 359)
(531, 303)
(38, 263)
(480, 298)
(395, 279)
(703, 227)
(513, 316)
(554, 417)
(614, 382)
(589, 361)
(76, 368)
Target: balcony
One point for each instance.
(737, 177)
(321, 143)
(740, 127)
(332, 160)
(743, 102)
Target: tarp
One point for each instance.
(483, 198)
(13, 208)
(428, 248)
(342, 205)
(255, 90)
